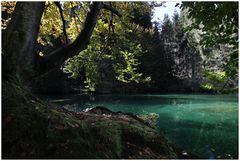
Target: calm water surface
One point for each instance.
(206, 125)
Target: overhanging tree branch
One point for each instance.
(57, 57)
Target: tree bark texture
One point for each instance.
(20, 39)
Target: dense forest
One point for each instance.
(92, 48)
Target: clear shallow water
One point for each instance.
(205, 125)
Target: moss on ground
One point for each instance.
(32, 129)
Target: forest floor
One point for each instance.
(32, 128)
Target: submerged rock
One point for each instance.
(99, 110)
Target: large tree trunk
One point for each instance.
(19, 41)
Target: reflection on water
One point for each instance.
(202, 124)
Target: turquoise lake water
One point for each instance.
(206, 125)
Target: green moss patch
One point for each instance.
(33, 129)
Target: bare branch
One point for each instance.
(63, 21)
(113, 10)
(75, 17)
(160, 4)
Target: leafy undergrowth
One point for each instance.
(30, 130)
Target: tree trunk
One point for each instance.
(193, 65)
(19, 42)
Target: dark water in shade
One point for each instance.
(206, 125)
